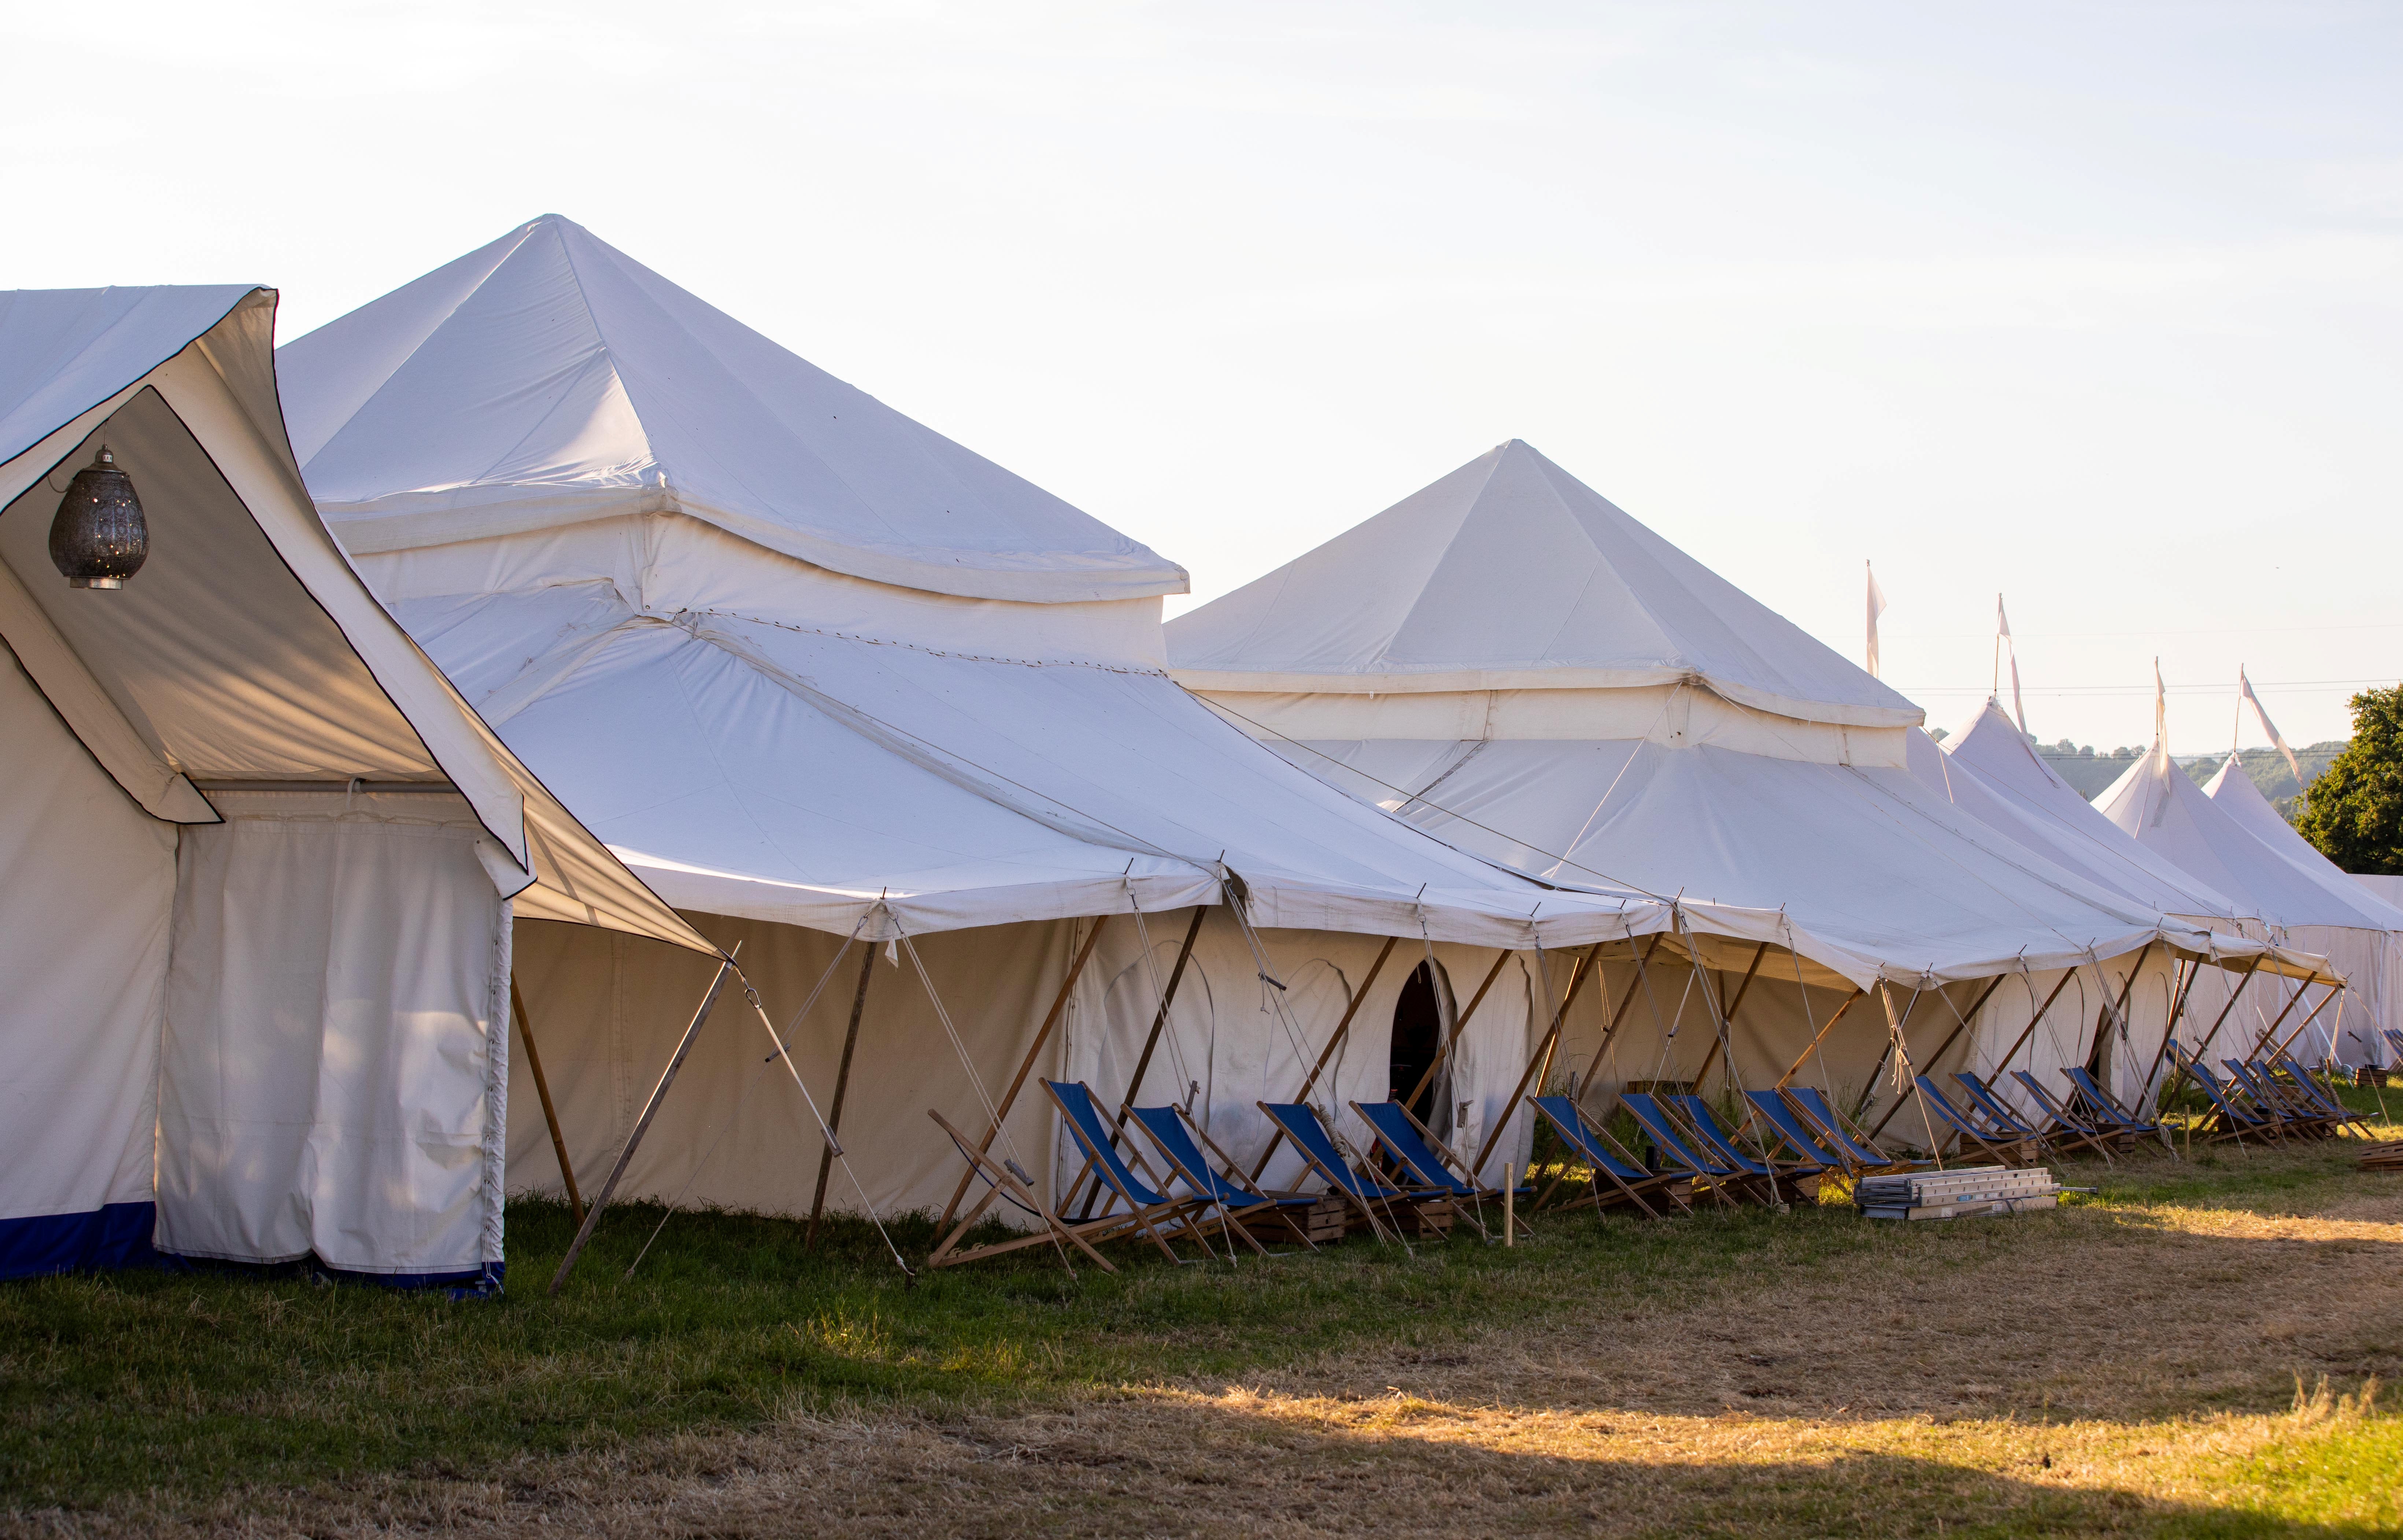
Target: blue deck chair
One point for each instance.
(1704, 1123)
(2228, 1118)
(2394, 1036)
(2318, 1095)
(2064, 1125)
(1423, 1159)
(1861, 1154)
(1608, 1169)
(2104, 1110)
(2292, 1113)
(1171, 1134)
(1147, 1208)
(2004, 1149)
(1300, 1123)
(1778, 1115)
(1671, 1141)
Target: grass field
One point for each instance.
(2195, 1351)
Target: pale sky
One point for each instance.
(2099, 306)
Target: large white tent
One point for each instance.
(817, 672)
(258, 859)
(1510, 661)
(2229, 837)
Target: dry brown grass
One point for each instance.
(2121, 1370)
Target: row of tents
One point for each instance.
(544, 692)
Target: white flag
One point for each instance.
(2002, 639)
(2161, 708)
(1877, 607)
(2245, 693)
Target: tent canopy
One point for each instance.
(548, 379)
(247, 650)
(929, 698)
(1511, 573)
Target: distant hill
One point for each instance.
(2091, 772)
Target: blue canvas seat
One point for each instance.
(1364, 1190)
(2063, 1126)
(1678, 1149)
(2103, 1109)
(1177, 1140)
(2003, 1149)
(1607, 1168)
(1427, 1163)
(1860, 1153)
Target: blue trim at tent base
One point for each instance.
(118, 1235)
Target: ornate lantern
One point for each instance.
(99, 538)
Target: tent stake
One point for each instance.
(550, 1113)
(642, 1124)
(841, 1085)
(1334, 1041)
(1025, 1066)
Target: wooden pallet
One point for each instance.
(1321, 1224)
(1968, 1193)
(2387, 1156)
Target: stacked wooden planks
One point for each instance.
(1966, 1193)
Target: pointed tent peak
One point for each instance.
(2233, 792)
(1511, 573)
(549, 379)
(1992, 742)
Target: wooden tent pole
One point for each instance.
(2334, 990)
(550, 1113)
(1459, 1025)
(2300, 989)
(1794, 1068)
(841, 1087)
(1359, 998)
(1728, 1015)
(1026, 1065)
(1897, 1036)
(2005, 1063)
(1534, 1062)
(1160, 1017)
(642, 1124)
(1937, 1056)
(1618, 1016)
(2169, 1031)
(2204, 1047)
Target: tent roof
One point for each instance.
(2234, 793)
(549, 379)
(1511, 573)
(246, 650)
(1989, 769)
(2159, 804)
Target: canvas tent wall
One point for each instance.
(2157, 804)
(261, 860)
(819, 673)
(1508, 661)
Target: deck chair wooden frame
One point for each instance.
(1703, 1124)
(2106, 1109)
(1000, 1182)
(2228, 1120)
(1724, 1182)
(1966, 1132)
(1234, 1201)
(1438, 1167)
(1351, 1185)
(1771, 1111)
(2060, 1123)
(1862, 1155)
(1605, 1157)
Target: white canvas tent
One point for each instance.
(817, 672)
(260, 859)
(1508, 661)
(2211, 835)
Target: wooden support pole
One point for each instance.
(1796, 1067)
(2021, 1042)
(550, 1113)
(2300, 989)
(2169, 1030)
(1896, 1038)
(1026, 1065)
(1713, 1057)
(1537, 1061)
(2334, 990)
(1160, 1017)
(2204, 1047)
(1618, 1016)
(1458, 1026)
(1941, 1049)
(2118, 1013)
(1334, 1041)
(642, 1124)
(841, 1087)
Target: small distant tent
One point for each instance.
(1508, 661)
(258, 859)
(824, 677)
(2208, 835)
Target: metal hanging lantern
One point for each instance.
(99, 538)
